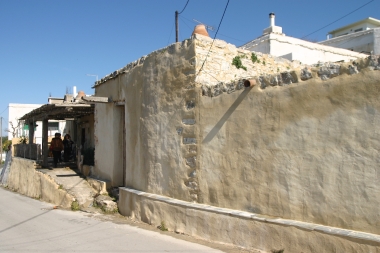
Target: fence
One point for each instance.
(29, 151)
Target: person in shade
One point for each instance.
(56, 146)
(68, 147)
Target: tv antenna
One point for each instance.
(208, 27)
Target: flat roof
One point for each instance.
(373, 21)
(59, 111)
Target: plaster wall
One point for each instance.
(25, 179)
(307, 151)
(243, 229)
(108, 156)
(350, 30)
(16, 111)
(155, 90)
(300, 50)
(366, 41)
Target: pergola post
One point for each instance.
(45, 147)
(31, 132)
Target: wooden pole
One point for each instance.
(45, 147)
(176, 26)
(1, 139)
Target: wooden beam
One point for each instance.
(96, 99)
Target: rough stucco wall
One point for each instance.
(307, 151)
(243, 232)
(155, 91)
(24, 179)
(108, 155)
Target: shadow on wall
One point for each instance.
(214, 131)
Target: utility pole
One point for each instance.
(176, 26)
(1, 139)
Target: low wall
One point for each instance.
(240, 228)
(30, 151)
(24, 179)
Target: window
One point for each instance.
(358, 30)
(53, 126)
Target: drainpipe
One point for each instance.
(249, 83)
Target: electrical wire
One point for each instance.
(214, 37)
(211, 31)
(4, 110)
(338, 19)
(184, 7)
(170, 34)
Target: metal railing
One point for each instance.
(29, 151)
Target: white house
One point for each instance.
(276, 43)
(362, 36)
(18, 129)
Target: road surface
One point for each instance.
(29, 225)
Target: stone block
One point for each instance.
(101, 186)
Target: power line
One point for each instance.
(171, 33)
(214, 37)
(210, 31)
(338, 19)
(4, 110)
(184, 7)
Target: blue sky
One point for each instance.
(48, 46)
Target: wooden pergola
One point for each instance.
(61, 111)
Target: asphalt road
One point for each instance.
(29, 225)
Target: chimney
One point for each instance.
(75, 91)
(271, 19)
(201, 29)
(272, 27)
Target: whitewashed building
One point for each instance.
(362, 36)
(274, 42)
(17, 128)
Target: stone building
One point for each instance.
(245, 148)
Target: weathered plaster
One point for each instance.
(300, 145)
(305, 151)
(244, 229)
(25, 179)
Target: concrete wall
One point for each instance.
(300, 50)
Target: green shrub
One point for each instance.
(75, 206)
(236, 61)
(254, 58)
